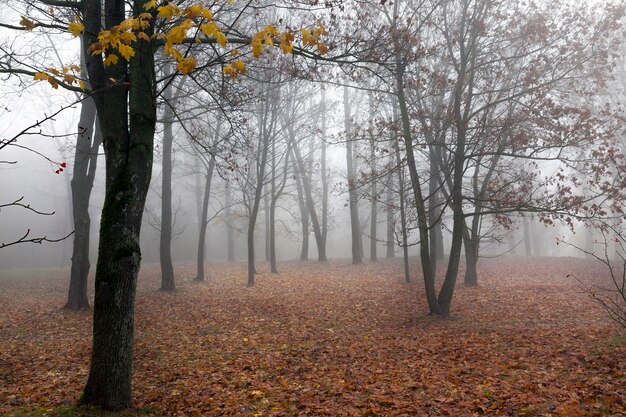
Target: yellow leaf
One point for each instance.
(221, 39)
(307, 37)
(240, 66)
(169, 50)
(257, 46)
(111, 59)
(177, 34)
(168, 11)
(186, 65)
(128, 37)
(76, 27)
(149, 5)
(81, 84)
(41, 76)
(53, 83)
(144, 36)
(70, 79)
(209, 29)
(193, 11)
(53, 71)
(286, 43)
(126, 51)
(271, 30)
(27, 23)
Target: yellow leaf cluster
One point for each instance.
(69, 75)
(76, 27)
(314, 37)
(186, 65)
(235, 69)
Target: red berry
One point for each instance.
(63, 164)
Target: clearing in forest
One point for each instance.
(328, 340)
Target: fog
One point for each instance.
(312, 208)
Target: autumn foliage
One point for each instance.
(334, 340)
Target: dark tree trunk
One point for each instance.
(127, 113)
(204, 221)
(165, 246)
(85, 160)
(471, 262)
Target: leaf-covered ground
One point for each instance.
(329, 340)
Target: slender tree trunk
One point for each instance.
(355, 225)
(204, 221)
(420, 206)
(127, 112)
(230, 238)
(304, 216)
(165, 246)
(403, 222)
(527, 237)
(374, 191)
(85, 160)
(471, 262)
(391, 223)
(324, 175)
(266, 213)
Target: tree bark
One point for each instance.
(165, 245)
(85, 159)
(127, 113)
(204, 221)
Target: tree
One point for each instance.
(120, 63)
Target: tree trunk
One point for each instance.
(471, 262)
(403, 223)
(324, 175)
(355, 225)
(127, 113)
(321, 248)
(527, 237)
(85, 160)
(266, 213)
(374, 191)
(230, 240)
(304, 217)
(165, 246)
(391, 223)
(204, 221)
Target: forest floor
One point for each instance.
(328, 340)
